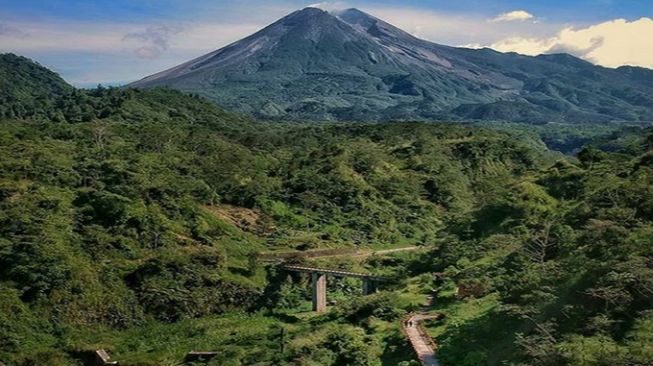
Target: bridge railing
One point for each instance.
(335, 272)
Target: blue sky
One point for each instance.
(148, 10)
(117, 41)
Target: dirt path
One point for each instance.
(404, 249)
(422, 344)
(369, 253)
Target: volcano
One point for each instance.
(348, 65)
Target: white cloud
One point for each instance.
(525, 46)
(87, 53)
(472, 45)
(10, 31)
(613, 43)
(153, 41)
(183, 38)
(514, 16)
(455, 28)
(330, 5)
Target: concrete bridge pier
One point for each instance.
(319, 282)
(319, 291)
(369, 286)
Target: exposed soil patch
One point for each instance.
(246, 219)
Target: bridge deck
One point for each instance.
(336, 273)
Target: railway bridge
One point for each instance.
(319, 277)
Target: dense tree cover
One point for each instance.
(28, 89)
(111, 223)
(130, 219)
(117, 206)
(570, 138)
(568, 251)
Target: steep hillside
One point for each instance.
(26, 88)
(555, 270)
(130, 220)
(143, 210)
(351, 66)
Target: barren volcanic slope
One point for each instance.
(348, 65)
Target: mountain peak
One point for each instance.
(349, 65)
(369, 24)
(351, 12)
(308, 14)
(355, 16)
(308, 11)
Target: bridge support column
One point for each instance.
(319, 291)
(369, 287)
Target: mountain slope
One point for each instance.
(27, 87)
(148, 217)
(31, 92)
(136, 233)
(348, 65)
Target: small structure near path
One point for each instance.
(102, 358)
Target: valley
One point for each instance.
(329, 191)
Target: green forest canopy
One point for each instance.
(138, 213)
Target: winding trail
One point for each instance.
(422, 344)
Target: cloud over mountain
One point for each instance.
(613, 43)
(153, 41)
(515, 15)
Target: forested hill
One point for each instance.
(129, 221)
(27, 88)
(557, 269)
(119, 207)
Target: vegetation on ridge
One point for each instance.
(129, 221)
